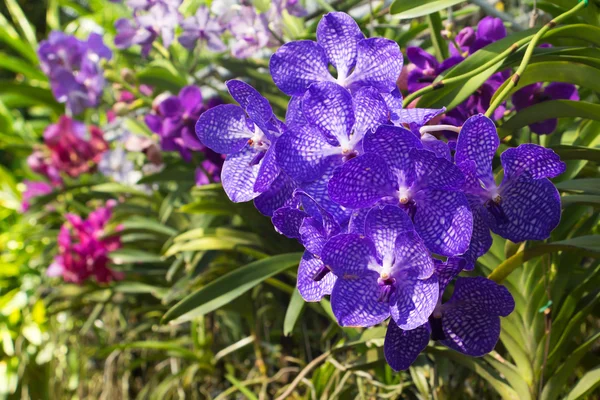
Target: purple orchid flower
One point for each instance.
(73, 67)
(395, 169)
(142, 5)
(359, 62)
(538, 93)
(131, 33)
(336, 125)
(388, 271)
(202, 28)
(469, 322)
(250, 31)
(525, 206)
(34, 189)
(312, 227)
(247, 135)
(427, 69)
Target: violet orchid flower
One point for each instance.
(469, 322)
(247, 135)
(204, 29)
(34, 189)
(395, 169)
(312, 227)
(359, 62)
(250, 31)
(538, 93)
(336, 125)
(525, 206)
(388, 271)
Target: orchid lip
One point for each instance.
(321, 273)
(494, 206)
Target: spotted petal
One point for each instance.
(339, 34)
(329, 107)
(401, 348)
(348, 255)
(469, 333)
(448, 270)
(482, 295)
(433, 172)
(531, 160)
(302, 153)
(532, 209)
(415, 118)
(361, 182)
(438, 147)
(384, 225)
(444, 221)
(239, 175)
(392, 144)
(297, 65)
(378, 64)
(223, 129)
(309, 289)
(481, 240)
(294, 114)
(313, 235)
(413, 302)
(355, 302)
(268, 171)
(478, 142)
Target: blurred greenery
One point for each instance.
(208, 308)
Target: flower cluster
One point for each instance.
(70, 147)
(373, 195)
(173, 119)
(250, 30)
(83, 251)
(74, 69)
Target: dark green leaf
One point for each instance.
(408, 9)
(293, 312)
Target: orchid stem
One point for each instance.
(514, 80)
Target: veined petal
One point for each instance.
(415, 118)
(468, 333)
(384, 225)
(412, 256)
(329, 107)
(482, 295)
(278, 194)
(294, 114)
(239, 174)
(297, 65)
(394, 103)
(257, 107)
(339, 34)
(348, 255)
(287, 221)
(392, 144)
(413, 302)
(223, 129)
(355, 302)
(370, 109)
(313, 235)
(302, 152)
(532, 209)
(433, 172)
(436, 146)
(361, 182)
(481, 240)
(444, 221)
(448, 270)
(478, 142)
(378, 64)
(268, 171)
(401, 348)
(531, 160)
(318, 213)
(309, 289)
(357, 221)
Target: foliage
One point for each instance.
(208, 306)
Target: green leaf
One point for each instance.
(240, 386)
(439, 43)
(558, 71)
(586, 244)
(162, 75)
(581, 199)
(408, 9)
(229, 287)
(586, 185)
(588, 382)
(123, 256)
(577, 153)
(19, 66)
(20, 94)
(22, 23)
(117, 188)
(148, 224)
(170, 347)
(293, 312)
(555, 108)
(10, 37)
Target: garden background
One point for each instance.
(190, 295)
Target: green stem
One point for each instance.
(440, 84)
(514, 80)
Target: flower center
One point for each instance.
(321, 273)
(494, 206)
